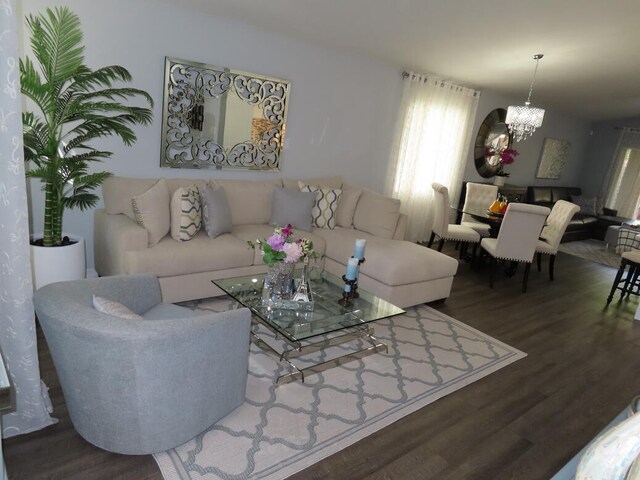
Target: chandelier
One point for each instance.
(524, 120)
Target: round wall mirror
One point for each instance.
(493, 136)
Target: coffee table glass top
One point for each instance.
(327, 316)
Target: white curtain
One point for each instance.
(17, 320)
(621, 188)
(431, 145)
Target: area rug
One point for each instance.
(592, 250)
(280, 430)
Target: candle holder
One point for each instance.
(345, 301)
(353, 289)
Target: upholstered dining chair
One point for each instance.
(445, 230)
(517, 238)
(560, 216)
(627, 284)
(478, 198)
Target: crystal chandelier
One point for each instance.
(524, 120)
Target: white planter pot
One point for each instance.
(57, 264)
(498, 180)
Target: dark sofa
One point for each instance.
(583, 225)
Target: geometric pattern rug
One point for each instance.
(593, 250)
(280, 430)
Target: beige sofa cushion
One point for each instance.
(392, 262)
(186, 213)
(250, 201)
(347, 205)
(201, 254)
(376, 214)
(151, 211)
(117, 192)
(251, 233)
(325, 182)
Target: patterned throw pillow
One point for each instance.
(323, 212)
(186, 213)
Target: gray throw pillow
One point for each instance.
(216, 212)
(292, 208)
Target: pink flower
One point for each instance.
(293, 251)
(287, 231)
(276, 241)
(508, 155)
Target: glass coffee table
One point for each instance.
(305, 332)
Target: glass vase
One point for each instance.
(279, 280)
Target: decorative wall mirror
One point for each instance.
(221, 118)
(493, 136)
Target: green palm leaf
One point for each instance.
(73, 106)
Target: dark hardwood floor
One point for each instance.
(522, 422)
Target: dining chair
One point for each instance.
(478, 198)
(517, 238)
(449, 231)
(627, 284)
(557, 222)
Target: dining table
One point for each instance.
(494, 220)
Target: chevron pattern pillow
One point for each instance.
(186, 213)
(323, 212)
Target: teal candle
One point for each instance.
(358, 250)
(347, 288)
(352, 269)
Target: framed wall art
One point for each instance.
(553, 158)
(219, 118)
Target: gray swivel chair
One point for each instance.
(142, 386)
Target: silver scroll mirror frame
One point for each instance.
(219, 118)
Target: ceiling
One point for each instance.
(591, 64)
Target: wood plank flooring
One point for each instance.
(522, 422)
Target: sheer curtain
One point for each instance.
(17, 320)
(621, 187)
(431, 144)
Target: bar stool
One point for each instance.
(628, 283)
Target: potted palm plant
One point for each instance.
(70, 106)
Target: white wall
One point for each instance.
(341, 113)
(523, 170)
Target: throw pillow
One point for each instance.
(587, 204)
(186, 213)
(323, 213)
(377, 214)
(292, 208)
(151, 211)
(347, 205)
(216, 212)
(116, 309)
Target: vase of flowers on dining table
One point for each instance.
(505, 156)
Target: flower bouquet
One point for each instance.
(506, 156)
(283, 247)
(281, 251)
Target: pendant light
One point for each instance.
(524, 120)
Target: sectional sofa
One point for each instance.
(399, 271)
